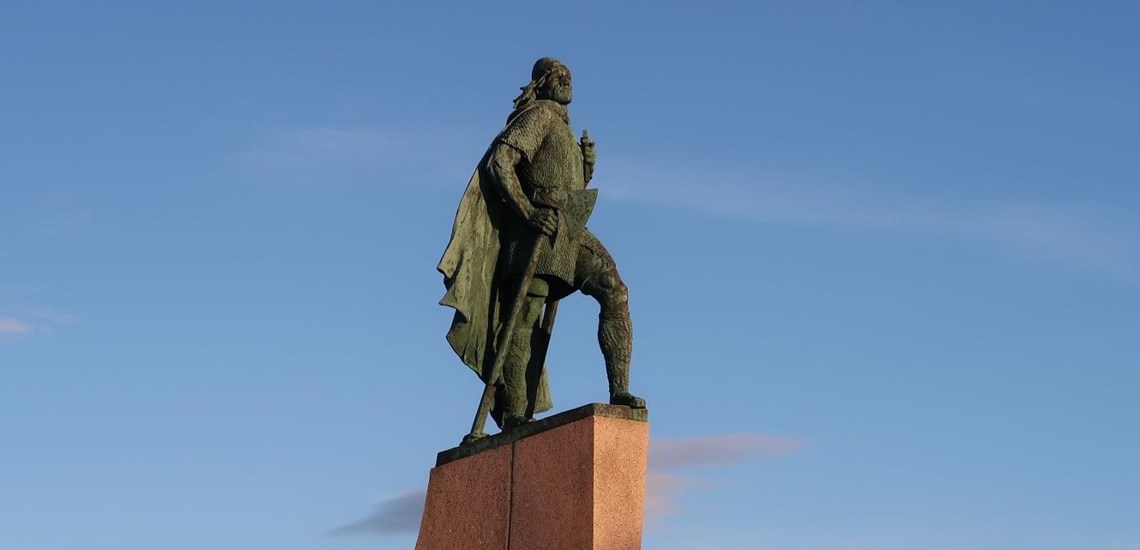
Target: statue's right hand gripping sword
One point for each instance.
(571, 221)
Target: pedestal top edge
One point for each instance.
(542, 425)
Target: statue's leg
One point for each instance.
(516, 390)
(539, 295)
(597, 276)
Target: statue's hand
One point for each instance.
(544, 219)
(589, 149)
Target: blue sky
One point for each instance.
(883, 258)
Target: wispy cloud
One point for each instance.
(395, 516)
(664, 488)
(663, 491)
(59, 212)
(1049, 231)
(323, 155)
(716, 450)
(11, 328)
(30, 321)
(421, 155)
(67, 222)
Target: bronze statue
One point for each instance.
(519, 244)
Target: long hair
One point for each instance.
(530, 92)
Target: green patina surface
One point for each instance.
(531, 182)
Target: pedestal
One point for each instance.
(573, 481)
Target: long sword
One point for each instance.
(505, 337)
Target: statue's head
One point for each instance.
(549, 79)
(552, 80)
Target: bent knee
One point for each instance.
(539, 287)
(609, 290)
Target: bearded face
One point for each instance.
(558, 87)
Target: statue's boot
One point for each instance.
(615, 336)
(515, 420)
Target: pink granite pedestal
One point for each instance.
(573, 481)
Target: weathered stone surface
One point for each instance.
(619, 490)
(574, 481)
(548, 423)
(554, 488)
(468, 502)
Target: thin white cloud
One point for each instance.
(423, 155)
(48, 317)
(67, 222)
(716, 450)
(305, 147)
(11, 328)
(59, 212)
(664, 488)
(63, 212)
(1054, 232)
(395, 516)
(377, 155)
(32, 321)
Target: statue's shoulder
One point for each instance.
(528, 126)
(539, 112)
(550, 107)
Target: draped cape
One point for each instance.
(469, 266)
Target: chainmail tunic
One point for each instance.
(551, 166)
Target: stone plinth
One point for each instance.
(573, 481)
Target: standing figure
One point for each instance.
(531, 183)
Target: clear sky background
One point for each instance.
(884, 261)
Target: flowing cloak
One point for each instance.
(468, 267)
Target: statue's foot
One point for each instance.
(471, 438)
(627, 399)
(515, 420)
